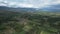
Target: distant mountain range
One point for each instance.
(53, 8)
(16, 9)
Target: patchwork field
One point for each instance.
(29, 22)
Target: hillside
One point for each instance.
(18, 9)
(29, 22)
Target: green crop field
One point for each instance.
(29, 22)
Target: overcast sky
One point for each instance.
(29, 3)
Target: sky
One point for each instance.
(29, 3)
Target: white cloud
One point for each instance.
(1, 0)
(56, 2)
(25, 5)
(3, 5)
(12, 3)
(29, 3)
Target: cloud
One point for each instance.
(56, 2)
(3, 5)
(25, 5)
(12, 4)
(29, 3)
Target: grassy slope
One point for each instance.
(29, 23)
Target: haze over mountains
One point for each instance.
(54, 8)
(16, 9)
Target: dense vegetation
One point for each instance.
(29, 22)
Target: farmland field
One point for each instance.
(29, 22)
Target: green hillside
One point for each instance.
(29, 22)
